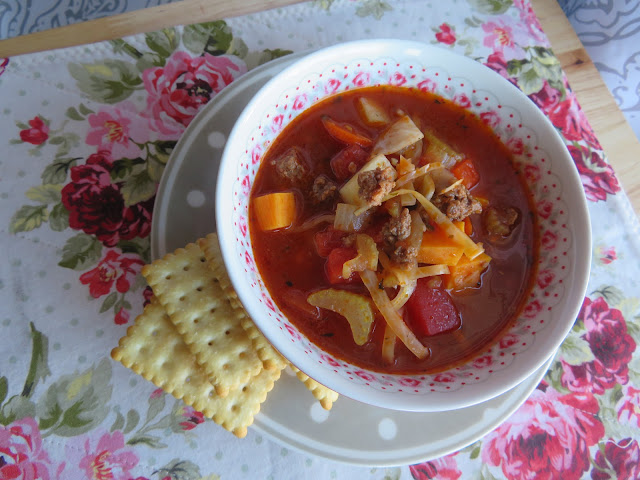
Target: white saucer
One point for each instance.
(351, 432)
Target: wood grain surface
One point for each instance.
(616, 136)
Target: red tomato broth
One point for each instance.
(289, 259)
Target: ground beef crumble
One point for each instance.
(397, 228)
(395, 233)
(323, 189)
(457, 203)
(291, 166)
(375, 184)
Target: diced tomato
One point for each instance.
(334, 264)
(353, 154)
(431, 310)
(345, 133)
(466, 171)
(327, 240)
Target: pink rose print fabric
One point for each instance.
(612, 346)
(177, 91)
(118, 131)
(97, 207)
(22, 456)
(99, 458)
(548, 437)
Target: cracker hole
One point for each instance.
(200, 289)
(203, 259)
(234, 408)
(213, 310)
(210, 344)
(186, 269)
(154, 333)
(227, 332)
(181, 299)
(245, 388)
(196, 320)
(211, 393)
(168, 277)
(242, 355)
(225, 366)
(187, 380)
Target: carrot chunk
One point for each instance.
(275, 210)
(344, 133)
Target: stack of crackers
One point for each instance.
(195, 341)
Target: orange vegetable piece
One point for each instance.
(466, 273)
(275, 210)
(345, 133)
(438, 249)
(466, 171)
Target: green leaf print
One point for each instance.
(180, 470)
(121, 169)
(575, 350)
(59, 218)
(65, 142)
(133, 418)
(210, 37)
(28, 217)
(80, 252)
(491, 7)
(38, 367)
(139, 246)
(84, 110)
(118, 424)
(56, 172)
(373, 8)
(149, 440)
(44, 194)
(77, 403)
(612, 294)
(162, 42)
(109, 81)
(4, 389)
(73, 114)
(529, 80)
(109, 302)
(554, 376)
(20, 406)
(156, 405)
(16, 408)
(138, 188)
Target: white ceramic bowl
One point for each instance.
(565, 238)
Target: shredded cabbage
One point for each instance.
(417, 173)
(347, 220)
(388, 345)
(367, 257)
(403, 295)
(392, 317)
(400, 134)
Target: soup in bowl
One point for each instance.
(403, 225)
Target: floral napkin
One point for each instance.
(85, 135)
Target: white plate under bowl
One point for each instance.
(352, 432)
